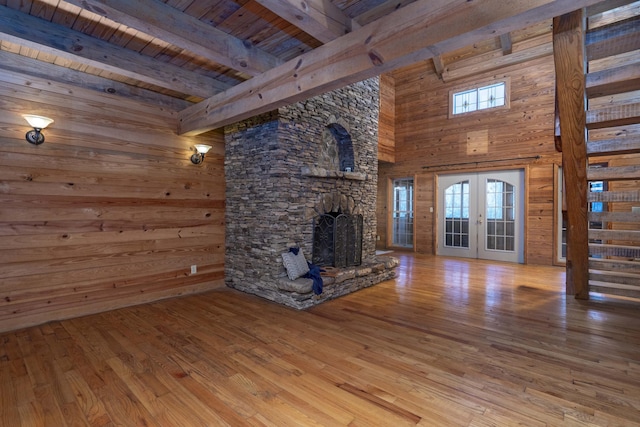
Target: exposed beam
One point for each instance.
(22, 29)
(382, 10)
(417, 32)
(160, 20)
(493, 61)
(318, 18)
(51, 72)
(568, 43)
(438, 64)
(506, 44)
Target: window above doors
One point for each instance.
(477, 98)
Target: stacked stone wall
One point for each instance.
(271, 198)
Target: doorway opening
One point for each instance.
(402, 213)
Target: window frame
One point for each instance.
(477, 86)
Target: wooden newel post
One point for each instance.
(568, 46)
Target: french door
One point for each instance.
(402, 213)
(481, 215)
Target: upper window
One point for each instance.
(479, 98)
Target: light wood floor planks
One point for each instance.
(449, 342)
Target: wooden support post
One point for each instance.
(568, 46)
(506, 44)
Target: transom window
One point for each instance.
(479, 98)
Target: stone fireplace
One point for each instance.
(286, 169)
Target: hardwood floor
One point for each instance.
(450, 342)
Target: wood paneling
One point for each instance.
(382, 210)
(386, 121)
(425, 195)
(428, 142)
(108, 212)
(540, 215)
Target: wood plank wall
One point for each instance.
(108, 212)
(428, 143)
(386, 121)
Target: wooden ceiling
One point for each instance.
(220, 61)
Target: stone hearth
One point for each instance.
(282, 170)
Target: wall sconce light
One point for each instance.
(201, 150)
(38, 123)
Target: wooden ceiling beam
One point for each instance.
(25, 30)
(495, 60)
(168, 24)
(417, 32)
(382, 10)
(51, 72)
(319, 18)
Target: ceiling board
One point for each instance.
(258, 29)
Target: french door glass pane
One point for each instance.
(500, 216)
(456, 233)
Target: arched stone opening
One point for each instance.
(337, 152)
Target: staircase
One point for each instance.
(612, 47)
(612, 119)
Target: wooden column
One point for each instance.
(568, 47)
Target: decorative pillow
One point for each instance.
(296, 265)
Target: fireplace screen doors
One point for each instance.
(337, 240)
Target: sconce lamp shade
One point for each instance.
(38, 123)
(201, 150)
